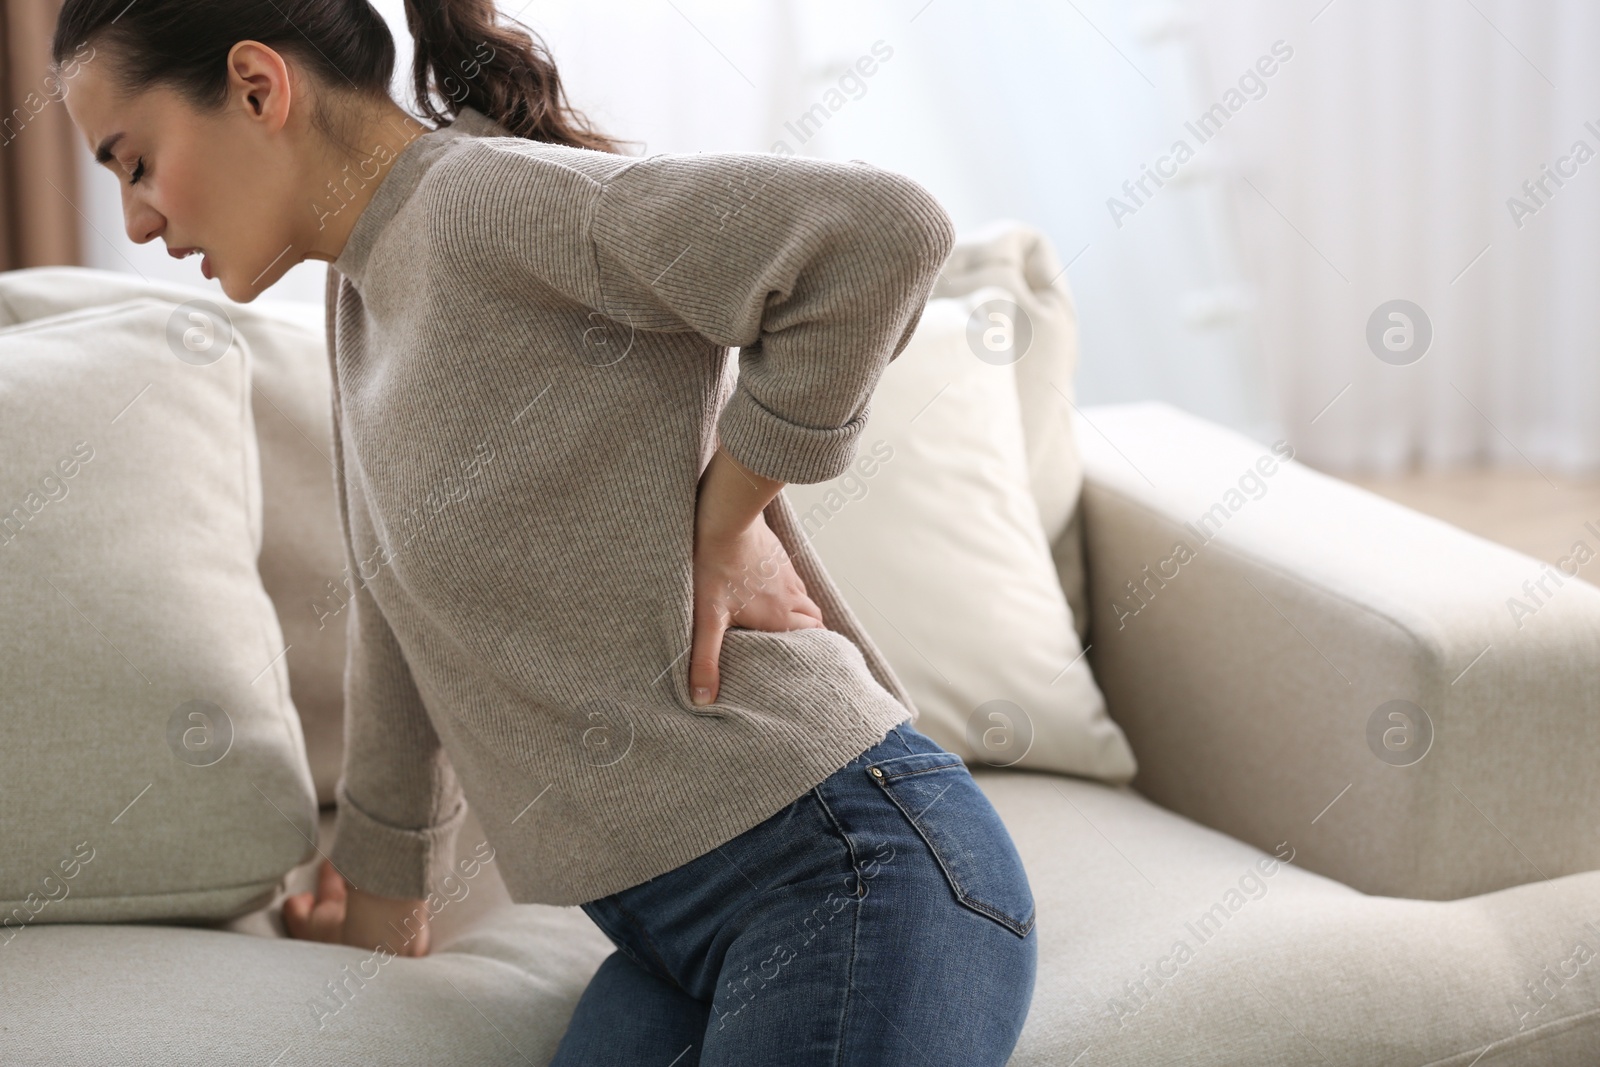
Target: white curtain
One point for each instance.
(1388, 161)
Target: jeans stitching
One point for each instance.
(1017, 926)
(945, 766)
(850, 971)
(850, 848)
(616, 939)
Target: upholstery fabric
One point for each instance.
(1274, 640)
(153, 765)
(1019, 259)
(302, 561)
(1287, 968)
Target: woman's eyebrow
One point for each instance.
(103, 153)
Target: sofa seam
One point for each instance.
(1521, 1037)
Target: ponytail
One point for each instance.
(468, 59)
(462, 53)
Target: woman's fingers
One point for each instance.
(807, 608)
(710, 622)
(297, 914)
(747, 581)
(330, 883)
(801, 621)
(327, 921)
(318, 917)
(309, 918)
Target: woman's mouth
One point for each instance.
(205, 258)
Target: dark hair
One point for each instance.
(463, 54)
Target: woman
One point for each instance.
(576, 595)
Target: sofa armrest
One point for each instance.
(1251, 621)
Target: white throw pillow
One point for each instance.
(1044, 320)
(302, 555)
(153, 765)
(935, 539)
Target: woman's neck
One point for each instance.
(343, 181)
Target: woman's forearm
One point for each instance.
(731, 496)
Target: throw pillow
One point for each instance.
(153, 766)
(935, 539)
(1038, 317)
(302, 556)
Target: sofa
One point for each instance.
(1361, 830)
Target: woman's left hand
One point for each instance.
(742, 575)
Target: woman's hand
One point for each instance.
(344, 915)
(742, 575)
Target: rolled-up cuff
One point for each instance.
(782, 450)
(391, 861)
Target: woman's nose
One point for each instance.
(143, 222)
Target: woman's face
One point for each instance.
(226, 183)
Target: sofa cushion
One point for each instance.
(1044, 322)
(937, 540)
(302, 558)
(153, 766)
(1293, 969)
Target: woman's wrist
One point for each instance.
(399, 925)
(731, 496)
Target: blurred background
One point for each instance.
(1369, 229)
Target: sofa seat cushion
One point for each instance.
(1287, 968)
(81, 994)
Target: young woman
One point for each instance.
(577, 597)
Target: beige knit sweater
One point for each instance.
(531, 371)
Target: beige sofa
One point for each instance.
(1285, 882)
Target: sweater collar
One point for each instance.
(396, 186)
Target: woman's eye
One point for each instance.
(138, 172)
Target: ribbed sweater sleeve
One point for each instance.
(817, 270)
(399, 803)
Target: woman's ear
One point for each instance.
(258, 78)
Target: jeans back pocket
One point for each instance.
(940, 798)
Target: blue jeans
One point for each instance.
(882, 918)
